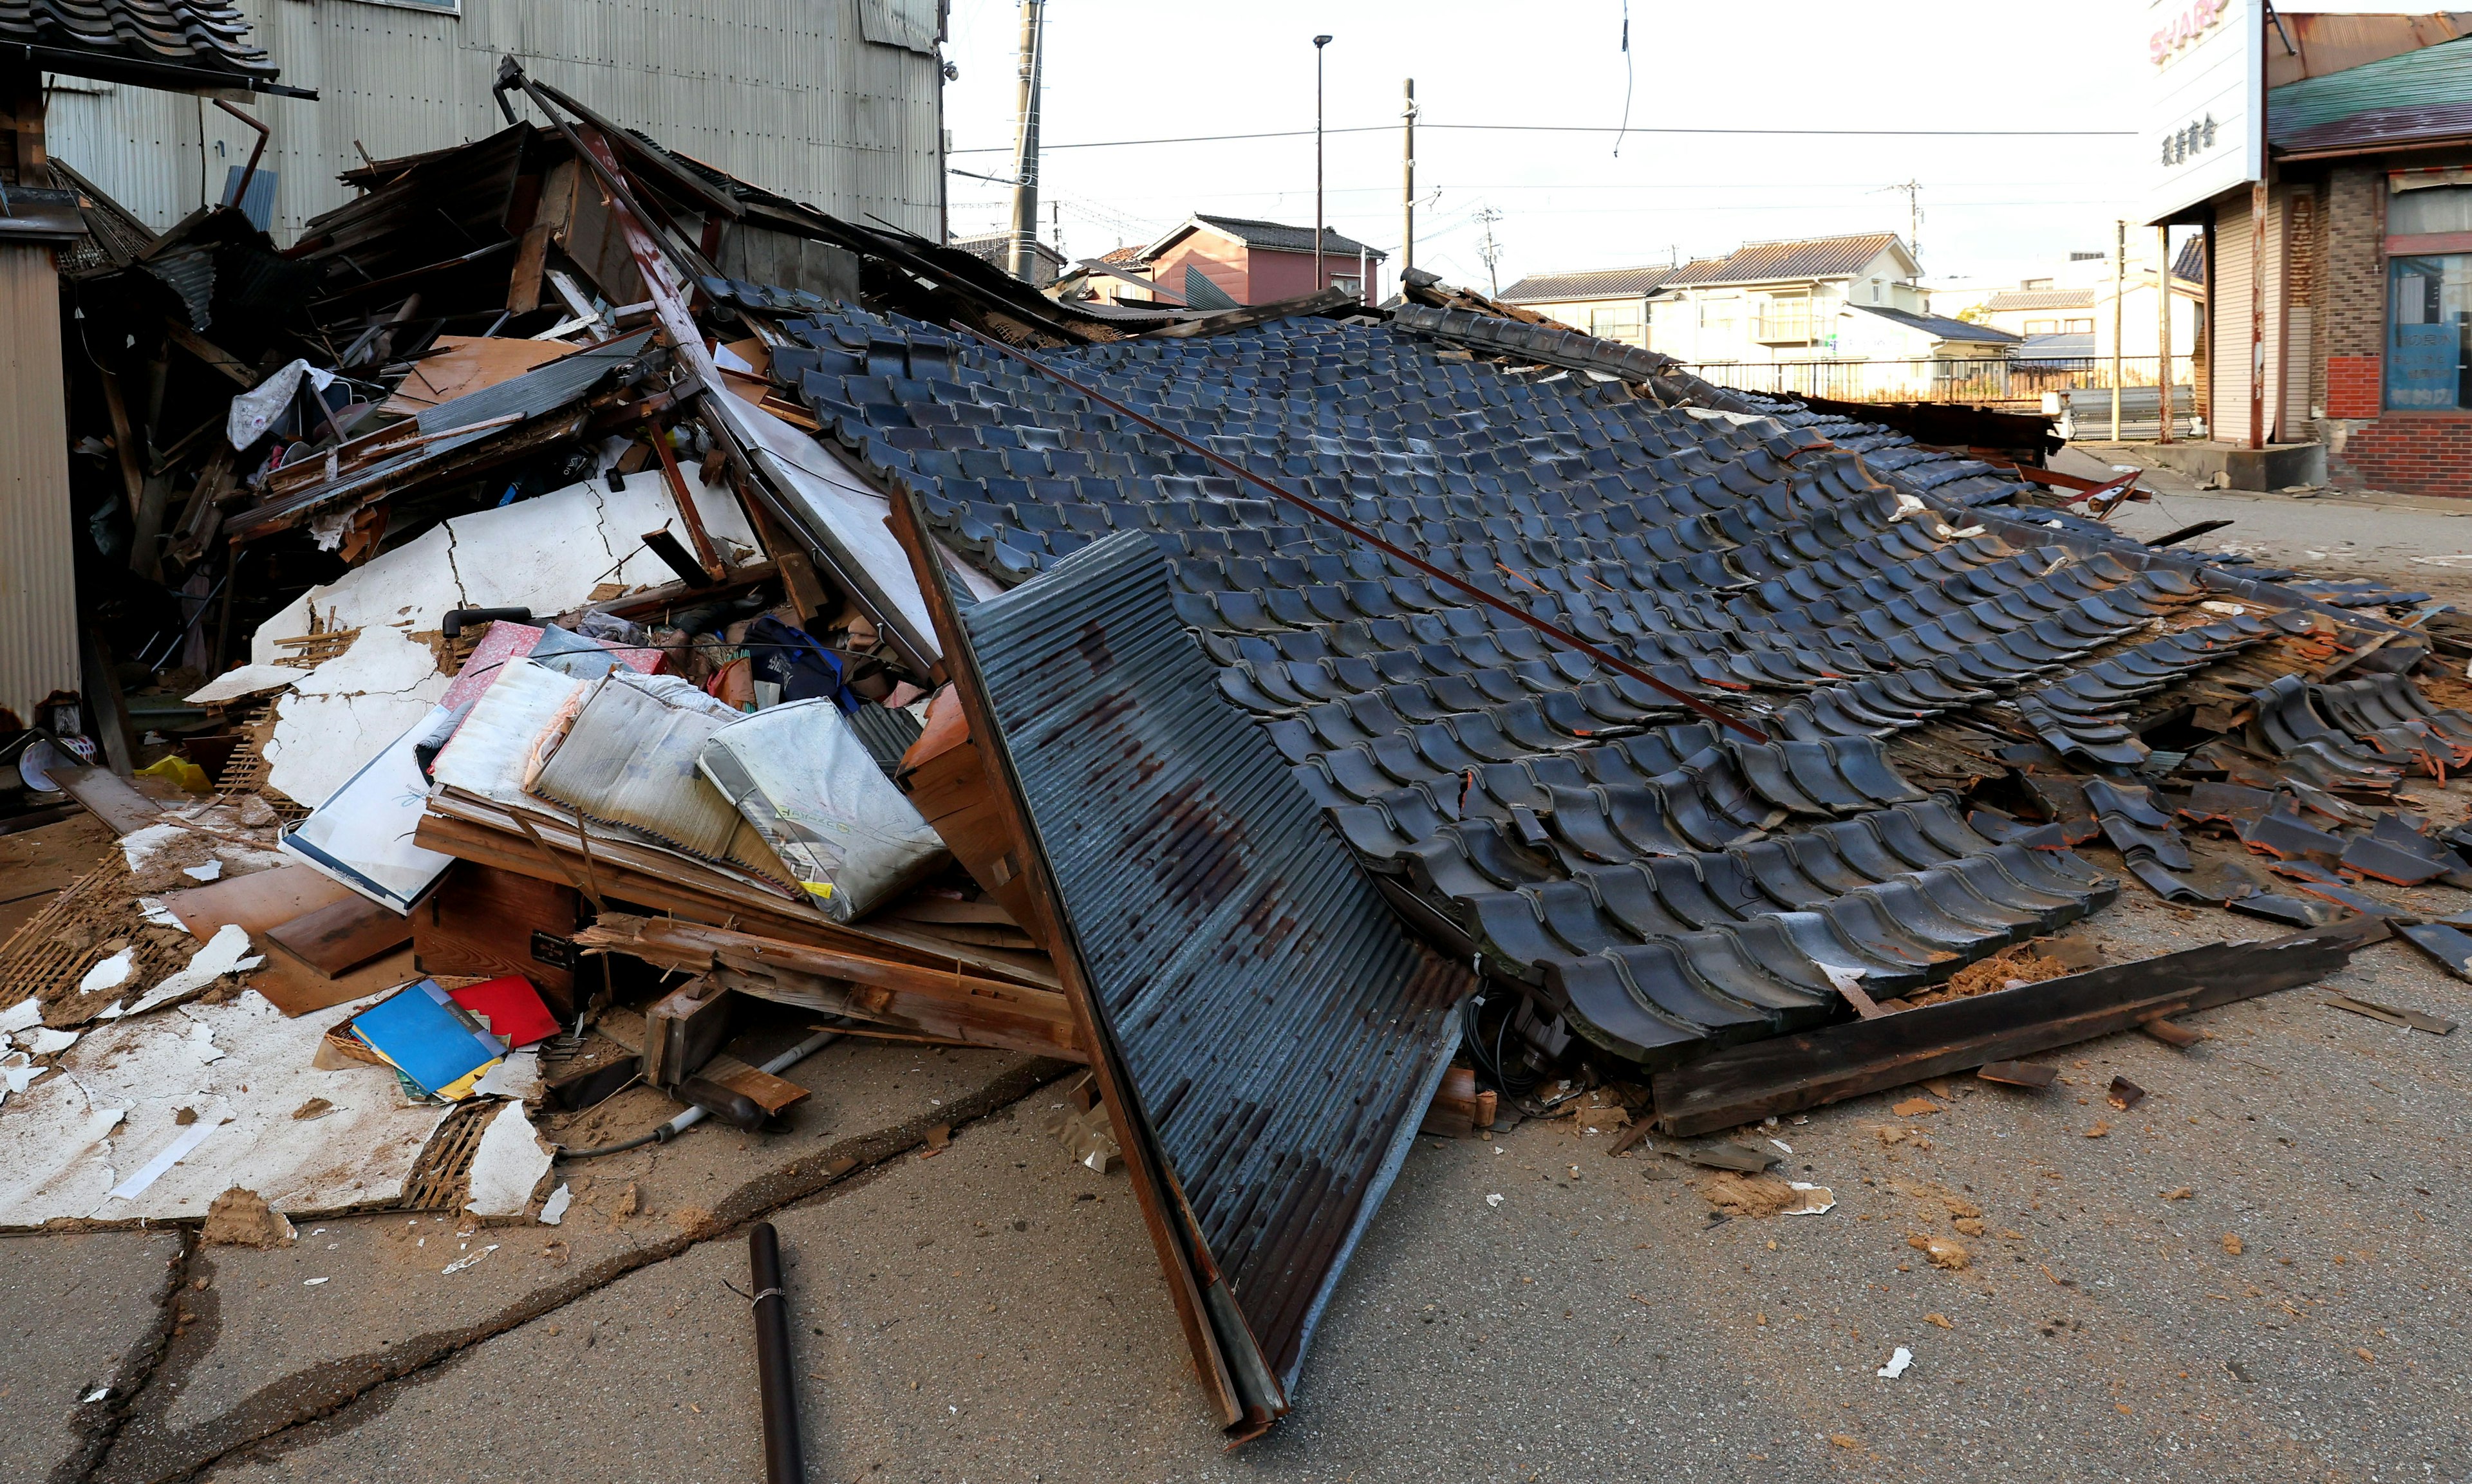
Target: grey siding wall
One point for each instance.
(787, 94)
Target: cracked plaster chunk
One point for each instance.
(320, 742)
(534, 553)
(412, 585)
(508, 1165)
(116, 1106)
(219, 955)
(382, 660)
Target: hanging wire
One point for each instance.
(1627, 79)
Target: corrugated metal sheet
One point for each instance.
(2433, 76)
(38, 639)
(1282, 1034)
(2378, 129)
(784, 93)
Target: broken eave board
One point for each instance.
(1743, 1084)
(1265, 1033)
(89, 1142)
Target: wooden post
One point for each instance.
(2163, 331)
(2119, 281)
(2257, 314)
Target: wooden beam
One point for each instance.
(910, 997)
(123, 442)
(1742, 1084)
(210, 352)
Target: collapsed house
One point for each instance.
(1265, 710)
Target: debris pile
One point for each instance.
(551, 648)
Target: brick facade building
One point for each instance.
(2366, 261)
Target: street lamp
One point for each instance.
(1321, 278)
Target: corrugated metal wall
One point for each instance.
(39, 642)
(2287, 410)
(2228, 301)
(783, 93)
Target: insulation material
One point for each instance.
(508, 1166)
(802, 777)
(130, 1091)
(493, 751)
(362, 835)
(629, 758)
(546, 554)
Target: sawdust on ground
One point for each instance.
(1754, 1196)
(2021, 963)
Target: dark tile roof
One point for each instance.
(1603, 283)
(2063, 346)
(997, 247)
(1778, 262)
(138, 41)
(1941, 326)
(1279, 237)
(2040, 299)
(1651, 885)
(2191, 263)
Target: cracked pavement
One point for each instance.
(994, 1312)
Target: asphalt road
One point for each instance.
(994, 1312)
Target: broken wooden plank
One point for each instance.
(683, 1029)
(931, 1001)
(1742, 1084)
(2170, 1032)
(342, 936)
(2393, 1015)
(2015, 1073)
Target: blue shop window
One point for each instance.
(2429, 333)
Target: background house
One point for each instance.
(1252, 262)
(1775, 301)
(835, 103)
(1046, 263)
(2357, 261)
(1610, 303)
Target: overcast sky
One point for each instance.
(1994, 209)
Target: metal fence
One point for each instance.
(1940, 379)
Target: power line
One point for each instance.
(1598, 129)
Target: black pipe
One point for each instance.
(782, 1464)
(2185, 533)
(451, 626)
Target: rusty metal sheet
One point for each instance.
(1281, 1032)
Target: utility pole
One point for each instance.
(1025, 154)
(1913, 191)
(1321, 274)
(1408, 186)
(2119, 281)
(1490, 250)
(2163, 329)
(1056, 226)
